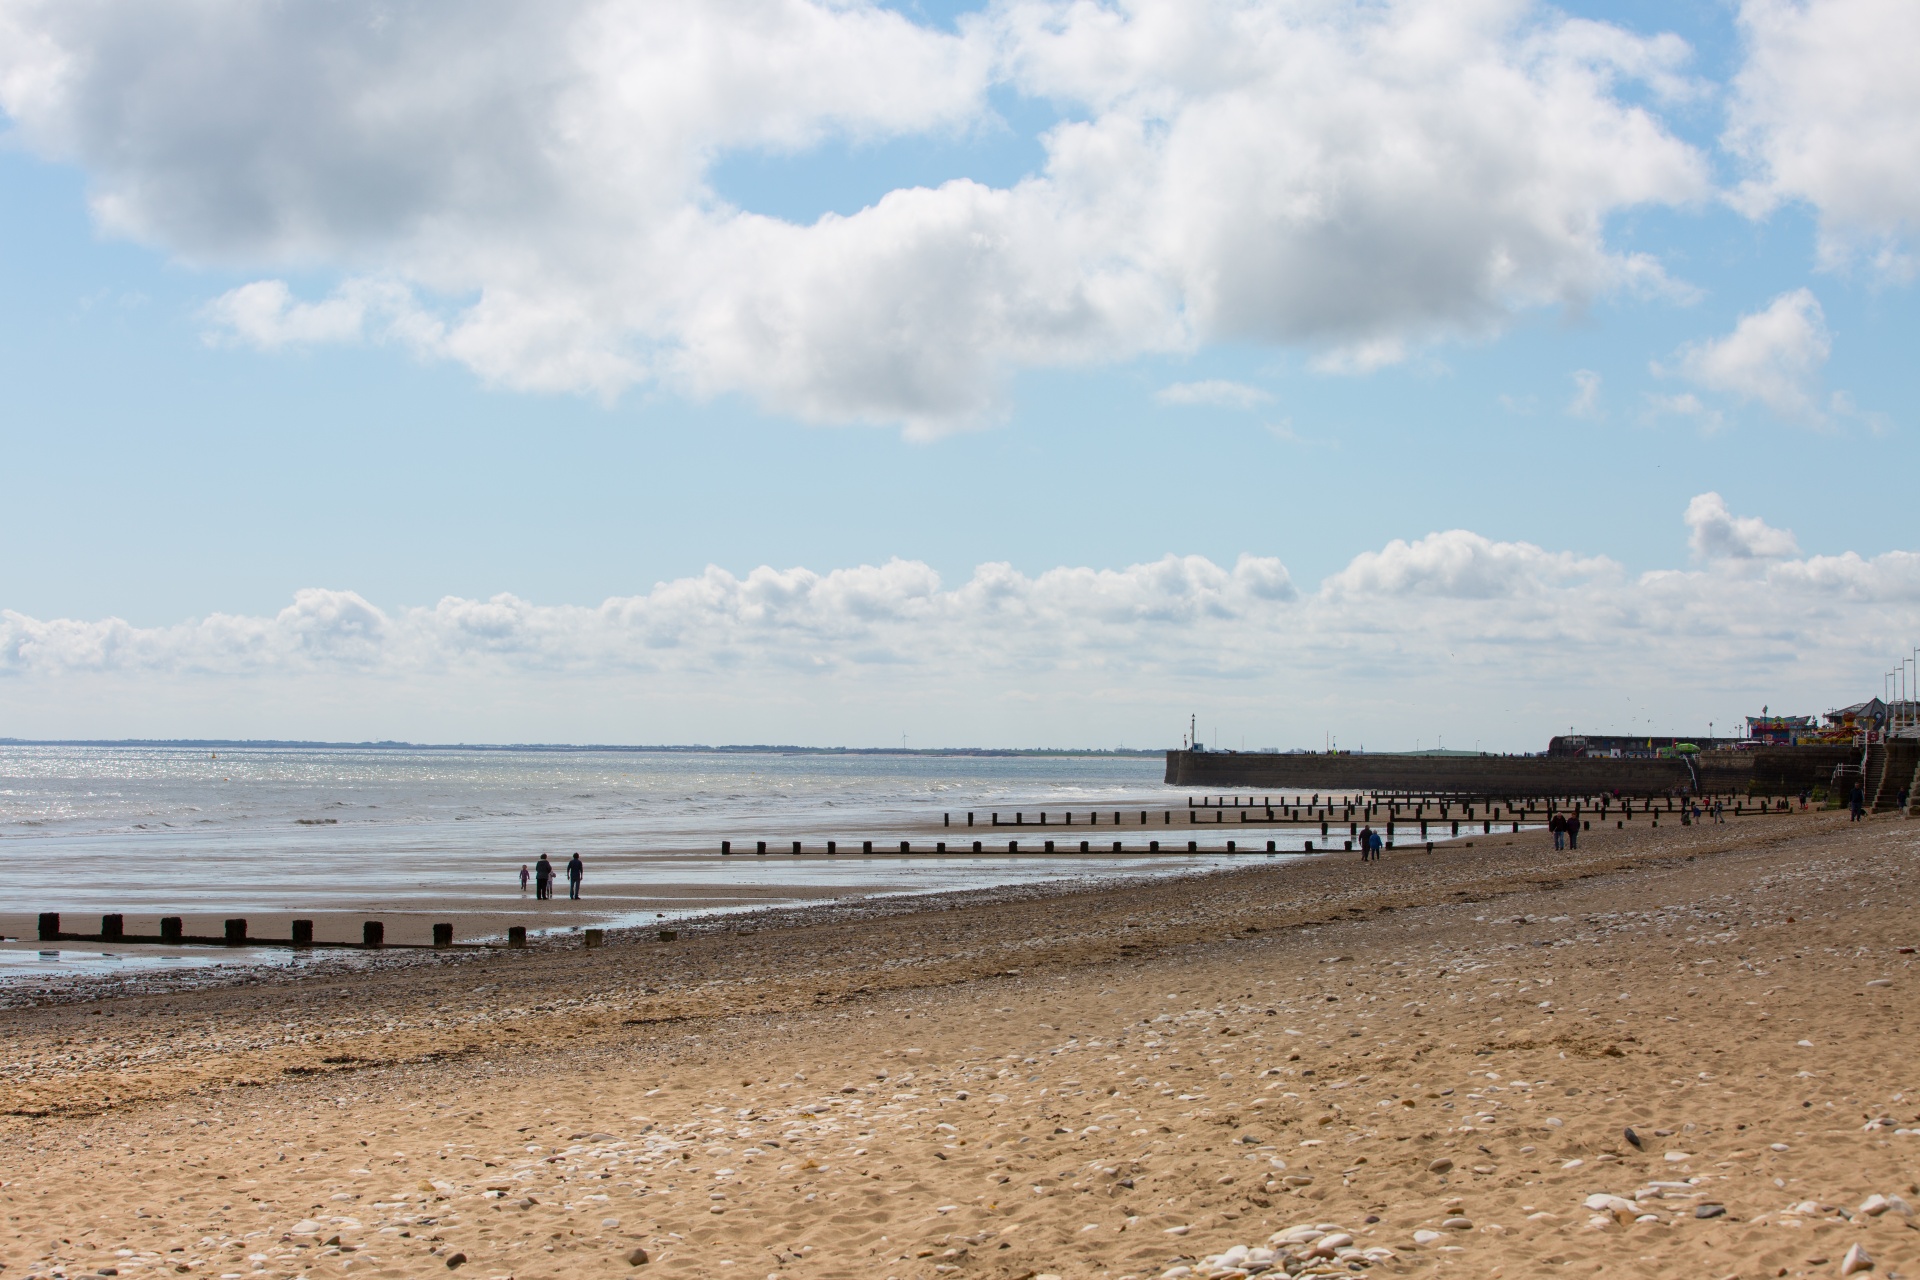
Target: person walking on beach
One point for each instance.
(1558, 825)
(1377, 846)
(1573, 830)
(575, 870)
(525, 875)
(543, 878)
(1366, 844)
(1857, 803)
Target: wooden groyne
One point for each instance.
(1315, 816)
(373, 936)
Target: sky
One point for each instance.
(1042, 373)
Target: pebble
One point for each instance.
(637, 1258)
(1442, 1165)
(1458, 1224)
(1709, 1210)
(1676, 1157)
(1856, 1260)
(1296, 1248)
(456, 1261)
(1873, 1206)
(1424, 1236)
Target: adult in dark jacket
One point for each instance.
(543, 878)
(575, 870)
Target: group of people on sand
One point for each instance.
(1372, 847)
(541, 873)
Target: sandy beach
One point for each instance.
(1438, 1057)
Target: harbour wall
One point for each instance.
(1767, 771)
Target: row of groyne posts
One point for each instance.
(373, 936)
(1395, 808)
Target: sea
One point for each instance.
(152, 829)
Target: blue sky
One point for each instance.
(166, 464)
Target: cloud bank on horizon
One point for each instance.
(527, 190)
(1503, 639)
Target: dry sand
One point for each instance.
(1437, 1056)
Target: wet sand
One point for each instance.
(1439, 1056)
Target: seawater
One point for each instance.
(94, 829)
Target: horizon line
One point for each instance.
(390, 744)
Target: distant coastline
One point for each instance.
(235, 744)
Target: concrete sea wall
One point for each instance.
(1776, 771)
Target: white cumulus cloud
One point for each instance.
(526, 189)
(1509, 636)
(1827, 109)
(1773, 355)
(1719, 534)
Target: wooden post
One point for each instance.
(442, 936)
(796, 848)
(1116, 846)
(517, 935)
(303, 933)
(976, 846)
(969, 819)
(373, 934)
(1193, 846)
(726, 848)
(940, 847)
(49, 926)
(866, 846)
(236, 933)
(172, 929)
(1013, 846)
(906, 847)
(1049, 846)
(1083, 846)
(113, 928)
(595, 937)
(946, 819)
(760, 847)
(1231, 847)
(833, 846)
(1270, 847)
